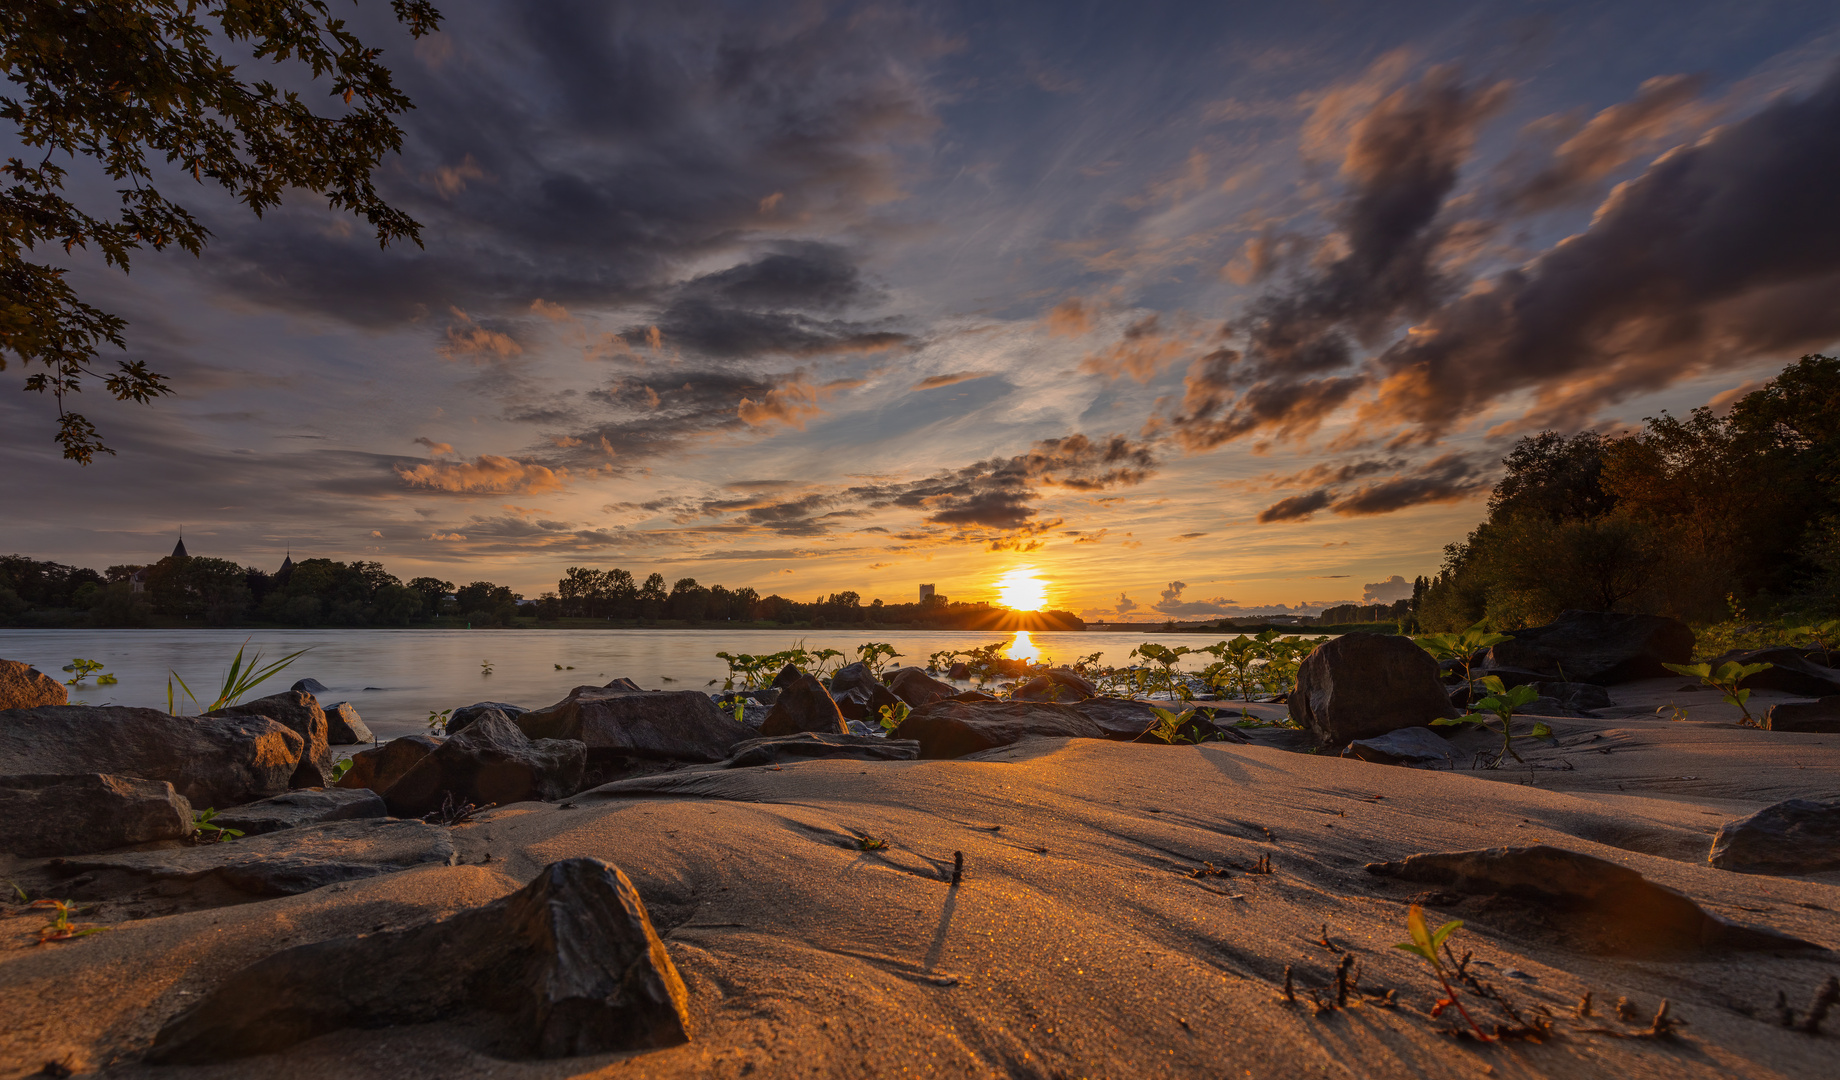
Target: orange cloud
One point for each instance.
(450, 180)
(488, 475)
(468, 338)
(934, 382)
(435, 448)
(1069, 318)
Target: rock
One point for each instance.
(1583, 697)
(803, 705)
(1818, 716)
(857, 727)
(625, 684)
(1056, 684)
(288, 862)
(381, 766)
(806, 745)
(298, 808)
(1600, 647)
(959, 671)
(309, 686)
(859, 694)
(344, 727)
(914, 686)
(1407, 746)
(1120, 719)
(1790, 671)
(853, 677)
(23, 686)
(952, 729)
(1799, 836)
(786, 677)
(214, 762)
(299, 712)
(1605, 907)
(492, 761)
(680, 725)
(568, 965)
(75, 815)
(466, 714)
(1361, 685)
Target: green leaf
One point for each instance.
(1542, 731)
(1445, 931)
(1696, 670)
(1492, 683)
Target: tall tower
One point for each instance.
(179, 548)
(926, 594)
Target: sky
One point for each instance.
(1196, 309)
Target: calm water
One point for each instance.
(395, 677)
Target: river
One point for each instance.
(396, 677)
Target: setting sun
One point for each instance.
(1021, 590)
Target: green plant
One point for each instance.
(17, 891)
(876, 656)
(238, 681)
(1425, 943)
(61, 928)
(1726, 678)
(892, 715)
(1164, 678)
(1501, 703)
(1824, 635)
(83, 669)
(340, 768)
(209, 832)
(1462, 648)
(740, 710)
(1168, 726)
(437, 721)
(485, 667)
(865, 842)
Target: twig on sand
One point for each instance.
(958, 866)
(1661, 1027)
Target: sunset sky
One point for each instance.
(1195, 308)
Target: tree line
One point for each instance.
(1704, 517)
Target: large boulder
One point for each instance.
(300, 713)
(860, 695)
(23, 686)
(1118, 718)
(808, 745)
(568, 965)
(344, 727)
(75, 815)
(1789, 671)
(1799, 836)
(301, 808)
(804, 705)
(381, 766)
(952, 729)
(466, 714)
(309, 686)
(492, 761)
(786, 677)
(1361, 685)
(1601, 647)
(214, 762)
(1822, 716)
(914, 686)
(675, 725)
(1056, 684)
(1582, 697)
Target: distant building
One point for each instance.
(137, 581)
(179, 549)
(287, 568)
(926, 593)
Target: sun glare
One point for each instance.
(1021, 590)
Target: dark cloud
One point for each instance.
(1385, 592)
(1172, 603)
(935, 382)
(1579, 165)
(1443, 479)
(1295, 507)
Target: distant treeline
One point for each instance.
(1704, 518)
(206, 591)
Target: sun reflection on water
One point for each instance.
(1022, 647)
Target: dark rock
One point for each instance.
(972, 695)
(23, 686)
(567, 965)
(682, 725)
(1120, 719)
(1510, 677)
(381, 766)
(1790, 671)
(310, 686)
(914, 686)
(344, 727)
(1407, 746)
(300, 808)
(1606, 908)
(807, 745)
(75, 815)
(1055, 684)
(959, 671)
(1361, 685)
(853, 677)
(1601, 647)
(748, 698)
(1821, 716)
(299, 712)
(492, 761)
(1584, 697)
(952, 729)
(214, 762)
(466, 714)
(803, 705)
(288, 862)
(625, 684)
(1799, 836)
(786, 677)
(860, 695)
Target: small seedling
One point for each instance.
(1501, 702)
(865, 842)
(1168, 726)
(437, 721)
(453, 812)
(893, 715)
(211, 833)
(1425, 943)
(1726, 679)
(339, 769)
(1461, 648)
(740, 710)
(81, 669)
(485, 667)
(17, 891)
(61, 928)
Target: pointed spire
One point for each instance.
(287, 566)
(179, 548)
